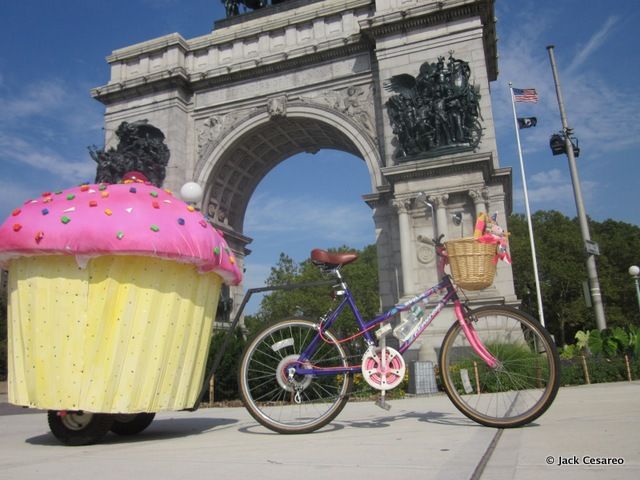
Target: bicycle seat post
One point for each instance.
(338, 275)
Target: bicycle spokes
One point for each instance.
(522, 383)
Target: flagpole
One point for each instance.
(526, 205)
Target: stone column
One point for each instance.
(402, 207)
(440, 203)
(479, 200)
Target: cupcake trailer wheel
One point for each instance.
(79, 428)
(130, 424)
(85, 428)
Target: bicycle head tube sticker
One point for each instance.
(287, 342)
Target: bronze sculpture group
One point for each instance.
(438, 109)
(232, 7)
(141, 148)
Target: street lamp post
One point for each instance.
(590, 247)
(634, 271)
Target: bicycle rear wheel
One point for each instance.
(525, 381)
(300, 404)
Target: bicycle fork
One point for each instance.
(472, 335)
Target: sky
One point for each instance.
(53, 53)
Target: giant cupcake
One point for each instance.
(113, 290)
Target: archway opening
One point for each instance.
(304, 195)
(308, 201)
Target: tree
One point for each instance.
(226, 378)
(562, 270)
(361, 276)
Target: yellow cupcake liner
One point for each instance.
(125, 334)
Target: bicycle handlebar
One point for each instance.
(434, 242)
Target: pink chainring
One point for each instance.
(383, 371)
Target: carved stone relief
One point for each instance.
(277, 107)
(356, 102)
(214, 128)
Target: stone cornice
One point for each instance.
(433, 166)
(231, 34)
(179, 78)
(237, 241)
(173, 79)
(381, 197)
(453, 165)
(438, 13)
(246, 26)
(150, 46)
(280, 62)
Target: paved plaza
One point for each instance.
(420, 437)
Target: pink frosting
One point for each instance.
(123, 219)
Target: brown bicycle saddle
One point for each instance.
(332, 260)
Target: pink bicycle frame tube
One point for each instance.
(472, 336)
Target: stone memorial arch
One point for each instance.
(375, 78)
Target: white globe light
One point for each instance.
(191, 192)
(634, 270)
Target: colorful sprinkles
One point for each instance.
(79, 215)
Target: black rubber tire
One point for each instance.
(131, 424)
(270, 399)
(79, 428)
(524, 385)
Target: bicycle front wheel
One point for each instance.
(299, 403)
(523, 384)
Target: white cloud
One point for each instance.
(598, 109)
(256, 273)
(62, 106)
(553, 189)
(42, 127)
(596, 40)
(339, 223)
(39, 98)
(12, 194)
(41, 158)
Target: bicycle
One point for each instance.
(498, 365)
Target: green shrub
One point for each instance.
(520, 361)
(571, 372)
(226, 379)
(601, 369)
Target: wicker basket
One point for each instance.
(472, 265)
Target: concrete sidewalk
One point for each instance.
(422, 437)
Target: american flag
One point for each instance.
(528, 95)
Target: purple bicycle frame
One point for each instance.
(365, 327)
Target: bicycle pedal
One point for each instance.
(382, 404)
